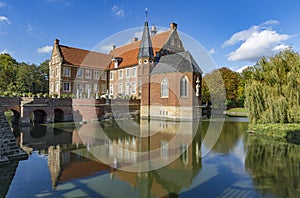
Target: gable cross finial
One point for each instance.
(146, 13)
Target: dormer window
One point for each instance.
(145, 61)
(116, 61)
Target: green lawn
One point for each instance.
(243, 110)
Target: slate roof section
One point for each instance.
(179, 62)
(80, 57)
(146, 50)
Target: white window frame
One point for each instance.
(120, 88)
(111, 89)
(88, 74)
(111, 75)
(120, 74)
(134, 71)
(67, 71)
(128, 73)
(95, 88)
(79, 73)
(133, 88)
(96, 75)
(69, 86)
(164, 88)
(183, 87)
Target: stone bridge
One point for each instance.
(28, 110)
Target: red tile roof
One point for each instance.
(129, 52)
(80, 57)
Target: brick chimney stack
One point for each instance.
(56, 42)
(173, 26)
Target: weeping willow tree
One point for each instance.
(273, 90)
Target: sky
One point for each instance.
(234, 33)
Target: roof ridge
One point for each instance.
(81, 49)
(138, 41)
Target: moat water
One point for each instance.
(63, 162)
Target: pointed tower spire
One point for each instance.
(146, 50)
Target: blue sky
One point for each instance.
(234, 32)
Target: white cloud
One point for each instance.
(45, 50)
(2, 5)
(117, 11)
(4, 19)
(212, 51)
(257, 41)
(281, 47)
(240, 69)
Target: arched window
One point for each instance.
(164, 88)
(184, 87)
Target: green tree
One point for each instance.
(8, 70)
(273, 89)
(214, 83)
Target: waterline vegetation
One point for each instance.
(272, 95)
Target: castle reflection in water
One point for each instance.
(157, 157)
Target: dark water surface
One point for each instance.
(63, 162)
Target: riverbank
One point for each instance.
(289, 132)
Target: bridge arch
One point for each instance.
(59, 115)
(38, 116)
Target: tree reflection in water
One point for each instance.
(274, 166)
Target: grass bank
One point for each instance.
(237, 112)
(290, 132)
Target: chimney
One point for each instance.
(113, 47)
(173, 26)
(153, 30)
(56, 42)
(134, 39)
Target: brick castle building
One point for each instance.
(156, 69)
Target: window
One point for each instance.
(111, 75)
(183, 87)
(88, 90)
(128, 73)
(52, 72)
(111, 89)
(88, 74)
(120, 74)
(56, 71)
(67, 86)
(95, 88)
(128, 86)
(120, 88)
(52, 87)
(79, 73)
(164, 149)
(103, 75)
(184, 153)
(67, 71)
(133, 88)
(56, 87)
(134, 72)
(96, 75)
(164, 88)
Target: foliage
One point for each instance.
(214, 83)
(273, 89)
(17, 78)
